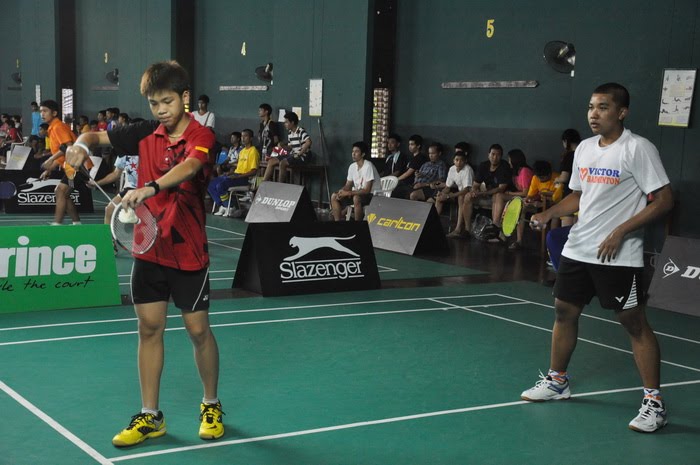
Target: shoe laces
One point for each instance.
(141, 419)
(649, 407)
(546, 380)
(210, 412)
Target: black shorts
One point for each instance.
(151, 282)
(429, 192)
(79, 181)
(365, 199)
(617, 287)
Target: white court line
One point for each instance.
(618, 349)
(382, 421)
(386, 269)
(253, 310)
(75, 440)
(225, 246)
(225, 325)
(210, 272)
(684, 339)
(225, 230)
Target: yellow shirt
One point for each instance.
(537, 186)
(248, 160)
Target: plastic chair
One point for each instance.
(386, 186)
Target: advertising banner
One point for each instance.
(306, 257)
(676, 282)
(56, 267)
(279, 202)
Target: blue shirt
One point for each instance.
(36, 122)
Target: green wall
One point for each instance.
(304, 39)
(630, 42)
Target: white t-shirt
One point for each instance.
(614, 182)
(460, 179)
(129, 164)
(361, 176)
(207, 119)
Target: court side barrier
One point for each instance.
(276, 202)
(676, 282)
(57, 267)
(405, 226)
(306, 257)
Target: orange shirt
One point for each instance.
(59, 133)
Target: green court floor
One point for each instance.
(394, 376)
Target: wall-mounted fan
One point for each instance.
(264, 73)
(16, 77)
(561, 56)
(113, 76)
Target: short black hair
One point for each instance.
(619, 93)
(51, 105)
(571, 136)
(93, 122)
(462, 147)
(236, 133)
(437, 145)
(249, 131)
(395, 136)
(460, 154)
(34, 104)
(266, 107)
(203, 98)
(496, 147)
(165, 75)
(292, 117)
(362, 146)
(542, 168)
(418, 140)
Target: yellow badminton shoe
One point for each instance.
(143, 426)
(212, 426)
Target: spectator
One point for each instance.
(430, 175)
(246, 168)
(267, 133)
(102, 120)
(522, 177)
(362, 179)
(123, 119)
(396, 162)
(36, 118)
(494, 176)
(459, 181)
(93, 125)
(229, 164)
(298, 148)
(203, 115)
(570, 140)
(83, 124)
(406, 180)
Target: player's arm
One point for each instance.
(661, 205)
(77, 153)
(346, 190)
(180, 173)
(568, 206)
(110, 178)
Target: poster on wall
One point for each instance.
(676, 97)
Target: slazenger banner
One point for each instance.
(55, 267)
(676, 282)
(304, 258)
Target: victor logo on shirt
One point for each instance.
(599, 175)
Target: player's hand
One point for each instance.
(91, 183)
(539, 221)
(75, 156)
(44, 175)
(607, 250)
(47, 165)
(134, 198)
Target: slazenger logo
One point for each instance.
(670, 268)
(279, 204)
(293, 270)
(30, 196)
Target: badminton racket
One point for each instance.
(135, 230)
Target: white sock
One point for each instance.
(210, 401)
(77, 222)
(149, 410)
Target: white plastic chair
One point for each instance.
(386, 186)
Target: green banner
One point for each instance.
(56, 267)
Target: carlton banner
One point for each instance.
(55, 267)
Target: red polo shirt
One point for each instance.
(179, 211)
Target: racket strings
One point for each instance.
(136, 237)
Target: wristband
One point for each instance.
(154, 185)
(84, 147)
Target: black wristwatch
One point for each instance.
(154, 185)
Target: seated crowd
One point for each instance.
(252, 158)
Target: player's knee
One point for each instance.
(198, 333)
(633, 320)
(565, 311)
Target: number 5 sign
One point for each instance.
(490, 29)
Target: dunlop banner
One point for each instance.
(56, 267)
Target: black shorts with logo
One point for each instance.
(151, 282)
(617, 287)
